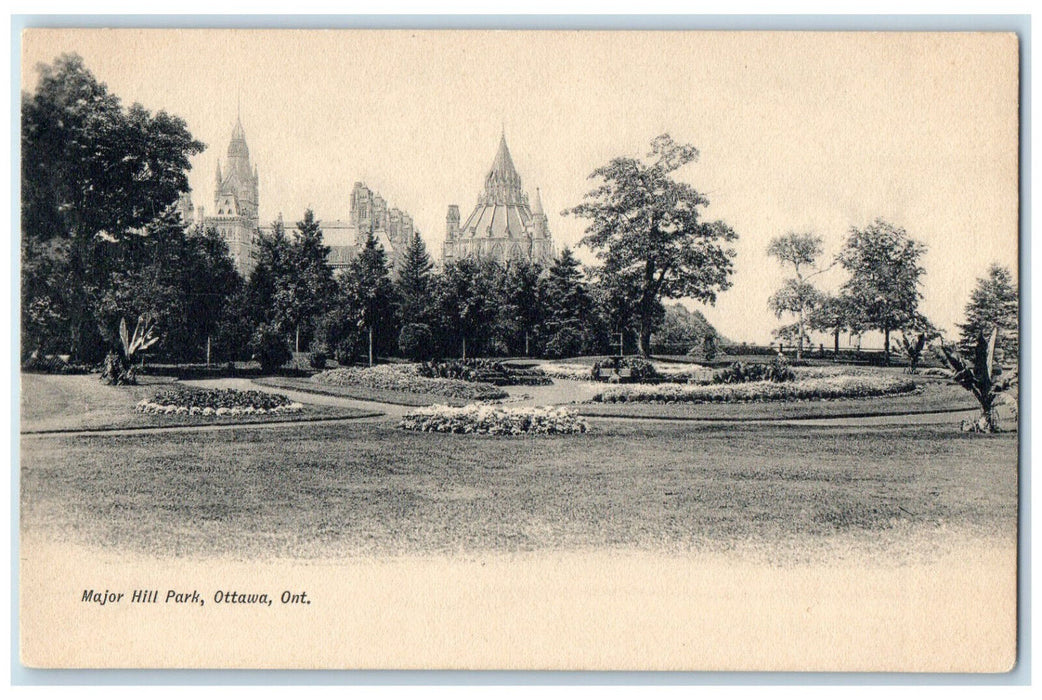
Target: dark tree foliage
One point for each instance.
(93, 174)
(413, 284)
(567, 307)
(303, 290)
(646, 228)
(467, 304)
(521, 307)
(369, 293)
(993, 305)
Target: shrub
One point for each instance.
(494, 420)
(740, 372)
(207, 402)
(639, 369)
(270, 348)
(406, 378)
(416, 342)
(488, 371)
(54, 364)
(807, 389)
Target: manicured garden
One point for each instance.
(405, 378)
(82, 402)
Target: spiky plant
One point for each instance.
(981, 376)
(119, 369)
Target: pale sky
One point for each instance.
(812, 131)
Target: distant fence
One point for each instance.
(847, 354)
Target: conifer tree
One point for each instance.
(413, 284)
(993, 304)
(567, 305)
(369, 292)
(521, 308)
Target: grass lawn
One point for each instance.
(361, 393)
(83, 402)
(363, 488)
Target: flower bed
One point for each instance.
(487, 371)
(406, 378)
(802, 390)
(494, 420)
(217, 402)
(564, 370)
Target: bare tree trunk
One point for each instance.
(208, 350)
(526, 342)
(464, 348)
(296, 343)
(799, 343)
(370, 346)
(886, 346)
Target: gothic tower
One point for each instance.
(503, 226)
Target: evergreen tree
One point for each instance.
(467, 305)
(993, 304)
(521, 307)
(413, 284)
(303, 291)
(567, 305)
(369, 292)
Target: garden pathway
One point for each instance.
(244, 384)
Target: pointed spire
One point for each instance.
(503, 165)
(537, 207)
(219, 178)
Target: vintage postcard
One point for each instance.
(602, 350)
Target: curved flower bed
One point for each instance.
(406, 378)
(801, 390)
(494, 420)
(217, 402)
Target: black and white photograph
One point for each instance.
(518, 350)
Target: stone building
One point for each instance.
(503, 225)
(236, 217)
(236, 202)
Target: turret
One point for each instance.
(452, 222)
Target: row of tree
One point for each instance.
(468, 307)
(882, 293)
(101, 242)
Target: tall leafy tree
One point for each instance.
(368, 290)
(413, 283)
(647, 229)
(93, 173)
(833, 315)
(885, 277)
(214, 284)
(797, 296)
(993, 305)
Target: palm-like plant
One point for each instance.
(142, 339)
(981, 376)
(119, 368)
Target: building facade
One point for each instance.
(236, 201)
(236, 216)
(503, 226)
